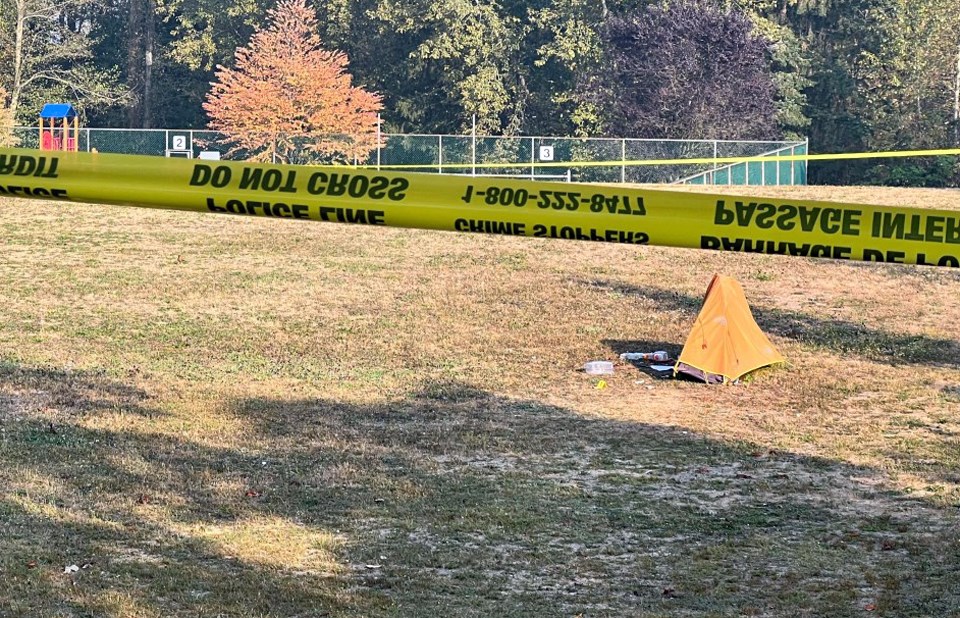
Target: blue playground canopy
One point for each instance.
(58, 110)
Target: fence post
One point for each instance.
(623, 161)
(793, 169)
(379, 139)
(806, 151)
(779, 163)
(473, 148)
(439, 154)
(533, 158)
(713, 173)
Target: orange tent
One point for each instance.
(725, 343)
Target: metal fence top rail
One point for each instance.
(478, 136)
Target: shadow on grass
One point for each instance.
(452, 501)
(839, 336)
(79, 391)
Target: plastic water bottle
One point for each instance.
(599, 368)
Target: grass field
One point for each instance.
(217, 416)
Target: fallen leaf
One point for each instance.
(887, 545)
(143, 499)
(252, 493)
(870, 607)
(669, 593)
(32, 564)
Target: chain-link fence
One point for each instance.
(539, 158)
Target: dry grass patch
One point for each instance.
(232, 417)
(271, 542)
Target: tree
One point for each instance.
(47, 54)
(690, 70)
(7, 137)
(956, 101)
(566, 34)
(884, 78)
(910, 89)
(439, 63)
(288, 99)
(791, 60)
(458, 60)
(141, 43)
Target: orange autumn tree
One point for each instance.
(288, 99)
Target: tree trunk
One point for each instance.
(956, 103)
(149, 19)
(17, 87)
(134, 73)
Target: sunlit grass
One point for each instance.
(240, 417)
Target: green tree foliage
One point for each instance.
(790, 61)
(465, 52)
(47, 54)
(568, 46)
(204, 33)
(909, 86)
(838, 36)
(883, 76)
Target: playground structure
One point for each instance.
(59, 127)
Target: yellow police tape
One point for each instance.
(491, 205)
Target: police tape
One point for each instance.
(488, 205)
(771, 158)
